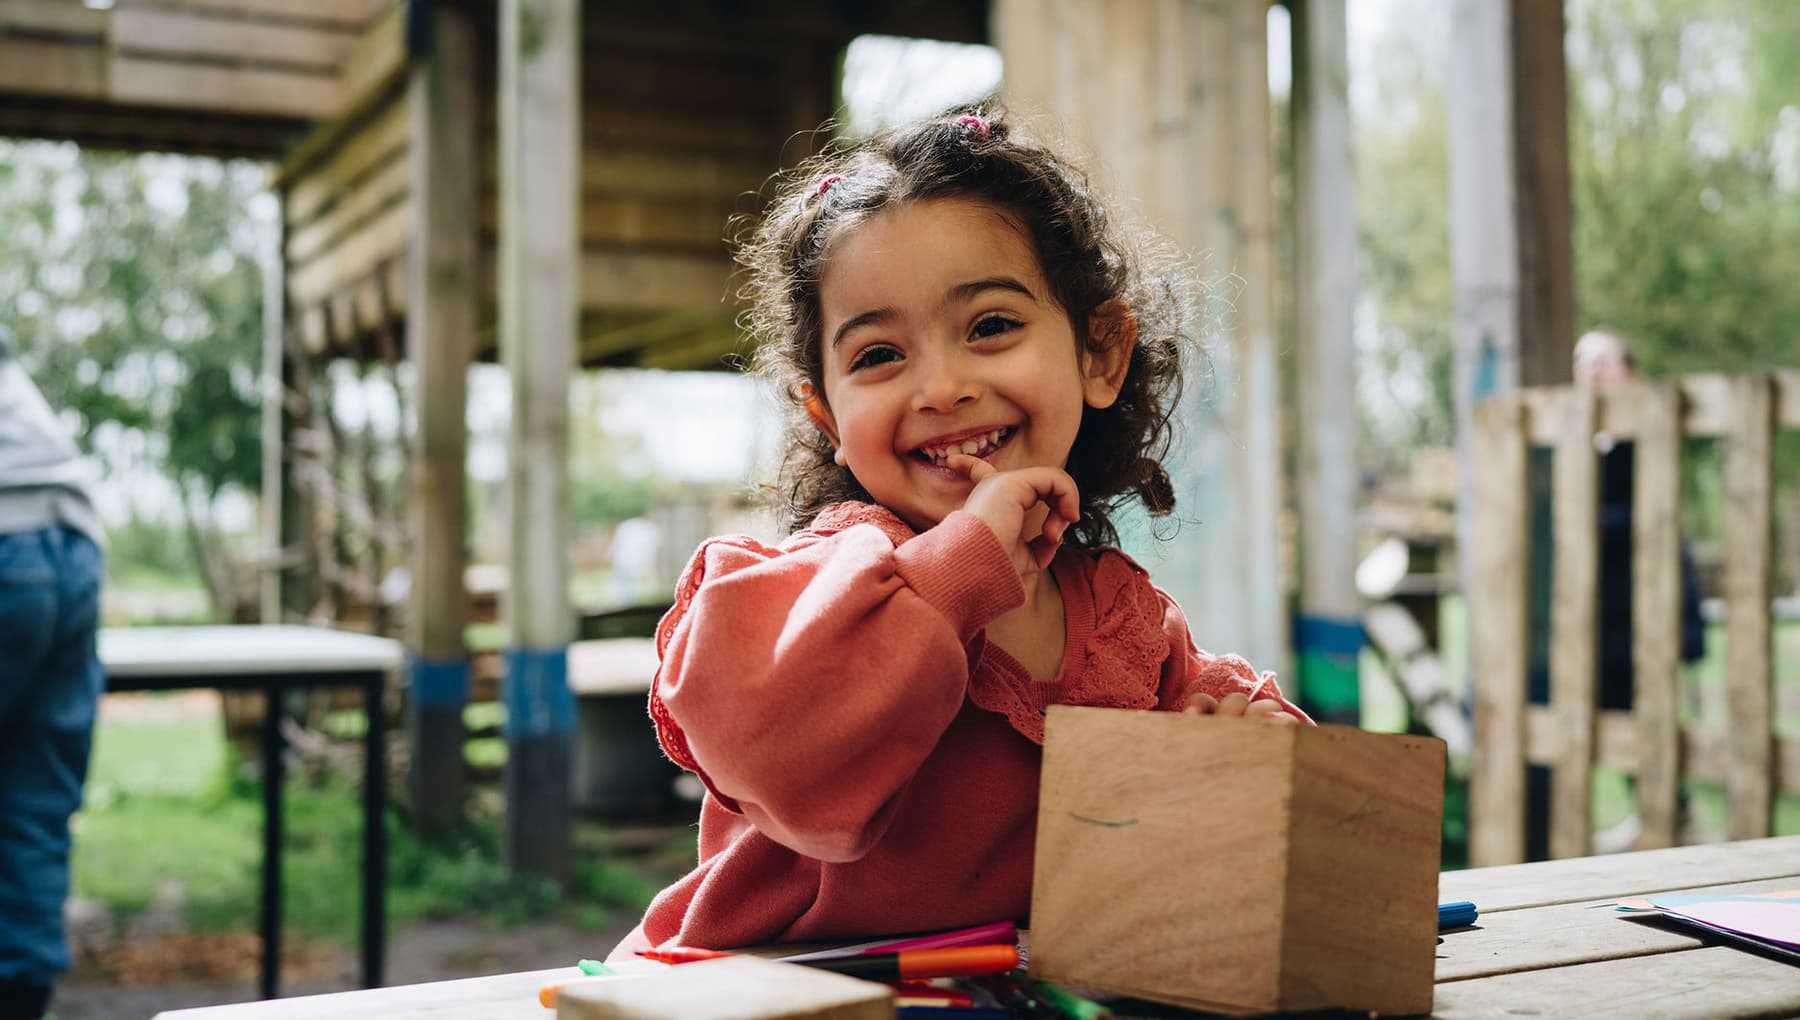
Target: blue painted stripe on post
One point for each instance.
(536, 692)
(437, 682)
(1328, 636)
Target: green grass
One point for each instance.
(167, 802)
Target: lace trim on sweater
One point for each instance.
(1120, 662)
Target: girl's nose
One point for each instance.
(944, 384)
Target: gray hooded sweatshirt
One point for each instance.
(44, 480)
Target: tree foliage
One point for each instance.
(134, 285)
(1684, 130)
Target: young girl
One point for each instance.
(980, 376)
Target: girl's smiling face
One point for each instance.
(939, 336)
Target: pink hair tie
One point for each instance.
(970, 120)
(825, 185)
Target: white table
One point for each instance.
(273, 659)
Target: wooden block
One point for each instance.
(734, 988)
(1236, 866)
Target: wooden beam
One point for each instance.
(53, 17)
(159, 82)
(540, 298)
(386, 186)
(440, 335)
(376, 64)
(165, 33)
(345, 13)
(53, 67)
(329, 173)
(380, 239)
(625, 281)
(1328, 633)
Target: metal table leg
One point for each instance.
(273, 765)
(374, 909)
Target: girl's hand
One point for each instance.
(1239, 706)
(1028, 509)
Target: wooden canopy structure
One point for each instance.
(549, 182)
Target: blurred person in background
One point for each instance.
(50, 679)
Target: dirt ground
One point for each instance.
(224, 967)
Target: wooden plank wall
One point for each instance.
(262, 58)
(1750, 755)
(679, 132)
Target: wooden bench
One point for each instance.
(1570, 734)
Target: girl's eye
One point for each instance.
(869, 357)
(993, 326)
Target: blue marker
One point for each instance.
(1456, 915)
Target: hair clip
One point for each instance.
(825, 185)
(970, 120)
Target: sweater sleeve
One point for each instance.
(1189, 671)
(806, 684)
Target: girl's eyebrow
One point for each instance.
(958, 293)
(965, 291)
(873, 315)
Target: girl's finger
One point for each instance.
(1234, 703)
(1200, 703)
(976, 468)
(1270, 710)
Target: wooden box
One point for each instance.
(1235, 865)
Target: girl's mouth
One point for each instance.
(978, 445)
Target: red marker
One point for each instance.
(908, 964)
(958, 961)
(680, 954)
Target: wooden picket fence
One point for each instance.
(1571, 734)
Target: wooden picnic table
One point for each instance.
(1547, 945)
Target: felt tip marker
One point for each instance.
(957, 961)
(1456, 915)
(681, 954)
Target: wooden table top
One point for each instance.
(1548, 945)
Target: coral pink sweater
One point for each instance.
(871, 761)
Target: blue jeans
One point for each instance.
(50, 683)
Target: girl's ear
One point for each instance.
(819, 413)
(1112, 334)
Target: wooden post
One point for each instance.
(442, 282)
(280, 589)
(1656, 608)
(1497, 766)
(1541, 172)
(1749, 565)
(1327, 633)
(1574, 620)
(540, 210)
(1171, 102)
(1509, 243)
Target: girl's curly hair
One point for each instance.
(1086, 258)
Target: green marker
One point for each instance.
(1068, 1003)
(594, 968)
